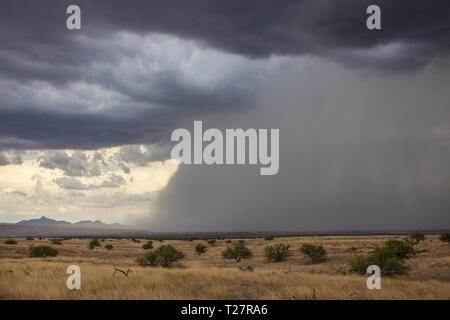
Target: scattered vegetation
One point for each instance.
(211, 242)
(10, 241)
(30, 238)
(94, 243)
(135, 240)
(390, 258)
(200, 249)
(109, 247)
(277, 252)
(56, 241)
(445, 237)
(417, 236)
(229, 241)
(237, 252)
(269, 238)
(42, 251)
(317, 254)
(148, 245)
(164, 256)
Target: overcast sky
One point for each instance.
(364, 118)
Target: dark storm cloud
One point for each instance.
(98, 98)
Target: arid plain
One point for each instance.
(210, 276)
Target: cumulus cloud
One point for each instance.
(10, 158)
(76, 164)
(113, 181)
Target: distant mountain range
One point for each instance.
(44, 221)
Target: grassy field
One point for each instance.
(209, 276)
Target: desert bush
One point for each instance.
(317, 254)
(109, 247)
(211, 242)
(42, 251)
(390, 258)
(148, 245)
(228, 241)
(10, 241)
(417, 236)
(401, 249)
(94, 243)
(135, 240)
(445, 237)
(237, 252)
(30, 238)
(382, 257)
(164, 256)
(200, 249)
(56, 241)
(269, 238)
(277, 252)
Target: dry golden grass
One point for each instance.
(211, 277)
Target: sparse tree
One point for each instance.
(109, 247)
(56, 241)
(148, 245)
(317, 254)
(238, 251)
(42, 251)
(164, 256)
(10, 241)
(277, 252)
(417, 236)
(211, 242)
(445, 237)
(200, 249)
(390, 258)
(94, 243)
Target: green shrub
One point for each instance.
(211, 242)
(401, 249)
(417, 236)
(200, 249)
(269, 238)
(317, 254)
(228, 241)
(56, 241)
(148, 245)
(30, 238)
(10, 241)
(42, 251)
(237, 252)
(94, 243)
(445, 237)
(164, 256)
(277, 252)
(390, 258)
(135, 240)
(109, 247)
